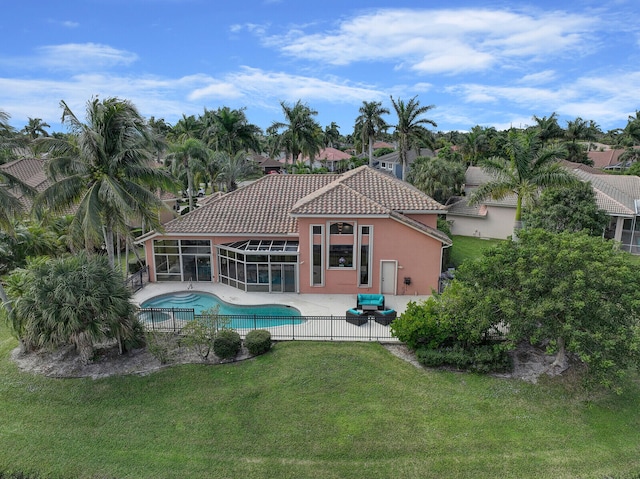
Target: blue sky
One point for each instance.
(494, 63)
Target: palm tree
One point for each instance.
(228, 130)
(104, 172)
(331, 135)
(437, 177)
(579, 130)
(77, 300)
(35, 128)
(187, 127)
(524, 171)
(474, 144)
(300, 130)
(371, 123)
(232, 169)
(189, 156)
(548, 128)
(410, 126)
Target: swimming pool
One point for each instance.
(260, 316)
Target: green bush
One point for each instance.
(419, 326)
(258, 341)
(227, 344)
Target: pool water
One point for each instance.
(199, 302)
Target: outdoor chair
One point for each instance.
(356, 317)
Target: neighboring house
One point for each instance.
(391, 161)
(490, 219)
(606, 159)
(618, 195)
(327, 157)
(31, 172)
(359, 232)
(267, 165)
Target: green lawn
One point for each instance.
(311, 410)
(465, 247)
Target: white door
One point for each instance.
(388, 270)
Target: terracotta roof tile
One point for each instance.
(270, 205)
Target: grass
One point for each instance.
(310, 410)
(465, 247)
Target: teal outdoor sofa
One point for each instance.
(370, 300)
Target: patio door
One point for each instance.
(388, 271)
(283, 278)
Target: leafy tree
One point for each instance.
(79, 300)
(438, 178)
(570, 291)
(523, 171)
(104, 171)
(568, 208)
(410, 126)
(371, 123)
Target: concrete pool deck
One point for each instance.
(307, 304)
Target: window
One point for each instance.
(364, 258)
(317, 256)
(341, 245)
(341, 256)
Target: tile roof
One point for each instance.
(271, 205)
(31, 172)
(616, 194)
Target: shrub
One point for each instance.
(419, 326)
(481, 359)
(162, 346)
(227, 344)
(200, 333)
(258, 341)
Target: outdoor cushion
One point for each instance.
(370, 299)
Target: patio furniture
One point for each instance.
(385, 317)
(356, 317)
(376, 300)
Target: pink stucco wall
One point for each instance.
(418, 257)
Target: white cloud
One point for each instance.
(82, 57)
(441, 41)
(538, 78)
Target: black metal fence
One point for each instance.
(136, 281)
(282, 328)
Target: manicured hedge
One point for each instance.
(258, 341)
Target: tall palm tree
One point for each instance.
(189, 156)
(299, 130)
(104, 171)
(525, 169)
(229, 130)
(371, 123)
(35, 127)
(410, 126)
